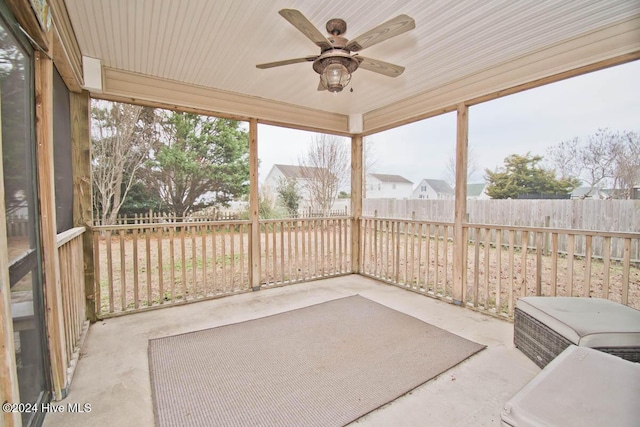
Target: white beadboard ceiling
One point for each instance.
(217, 43)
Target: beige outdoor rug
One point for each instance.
(324, 365)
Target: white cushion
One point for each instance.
(581, 387)
(588, 322)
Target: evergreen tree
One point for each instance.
(199, 156)
(522, 175)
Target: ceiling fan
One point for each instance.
(336, 62)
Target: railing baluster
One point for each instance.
(436, 259)
(194, 261)
(512, 238)
(160, 277)
(476, 265)
(110, 270)
(607, 266)
(123, 272)
(214, 255)
(223, 244)
(538, 237)
(554, 264)
(587, 268)
(523, 263)
(203, 248)
(136, 296)
(282, 279)
(147, 237)
(172, 265)
(183, 263)
(487, 266)
(275, 252)
(626, 263)
(419, 283)
(96, 269)
(570, 253)
(232, 263)
(243, 230)
(499, 271)
(445, 263)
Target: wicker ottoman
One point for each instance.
(546, 326)
(582, 387)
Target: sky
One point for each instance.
(529, 121)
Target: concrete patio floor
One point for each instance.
(113, 374)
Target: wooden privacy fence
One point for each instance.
(597, 215)
(418, 255)
(138, 266)
(70, 258)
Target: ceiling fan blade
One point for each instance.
(298, 20)
(286, 62)
(380, 67)
(393, 27)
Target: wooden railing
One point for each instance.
(418, 255)
(144, 265)
(297, 250)
(141, 266)
(70, 258)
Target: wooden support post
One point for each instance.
(79, 104)
(459, 243)
(254, 212)
(46, 196)
(356, 200)
(9, 391)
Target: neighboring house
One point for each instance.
(477, 191)
(588, 193)
(280, 173)
(382, 186)
(433, 189)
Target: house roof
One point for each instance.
(475, 190)
(390, 178)
(584, 191)
(295, 172)
(439, 186)
(202, 54)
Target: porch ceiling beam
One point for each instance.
(612, 45)
(136, 88)
(66, 51)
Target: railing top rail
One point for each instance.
(67, 236)
(578, 232)
(618, 234)
(166, 225)
(267, 221)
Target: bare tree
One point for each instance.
(120, 139)
(627, 166)
(473, 167)
(595, 160)
(325, 169)
(369, 161)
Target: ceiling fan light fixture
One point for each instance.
(335, 77)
